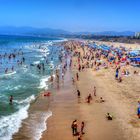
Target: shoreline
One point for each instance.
(123, 127)
(65, 108)
(78, 111)
(38, 113)
(35, 107)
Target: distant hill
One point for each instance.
(11, 30)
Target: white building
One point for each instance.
(137, 34)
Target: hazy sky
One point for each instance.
(72, 15)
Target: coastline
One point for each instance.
(66, 107)
(38, 111)
(34, 124)
(125, 125)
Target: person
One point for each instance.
(62, 76)
(78, 93)
(101, 100)
(79, 68)
(117, 73)
(82, 127)
(120, 79)
(23, 59)
(89, 98)
(74, 127)
(136, 72)
(77, 76)
(73, 81)
(12, 68)
(38, 66)
(109, 117)
(138, 110)
(51, 80)
(94, 91)
(79, 137)
(11, 100)
(6, 70)
(57, 75)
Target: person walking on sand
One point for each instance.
(77, 76)
(89, 98)
(78, 93)
(73, 81)
(74, 127)
(94, 91)
(117, 73)
(82, 127)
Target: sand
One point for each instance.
(120, 100)
(66, 108)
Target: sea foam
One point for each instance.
(43, 84)
(10, 124)
(41, 127)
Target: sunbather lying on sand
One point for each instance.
(109, 117)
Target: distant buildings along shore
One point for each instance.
(137, 34)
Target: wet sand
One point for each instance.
(38, 113)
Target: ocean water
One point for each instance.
(25, 81)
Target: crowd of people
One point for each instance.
(96, 59)
(87, 57)
(7, 59)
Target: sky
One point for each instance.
(72, 15)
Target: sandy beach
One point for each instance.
(67, 107)
(120, 100)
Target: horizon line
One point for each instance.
(13, 26)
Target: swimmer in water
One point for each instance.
(11, 100)
(6, 70)
(12, 68)
(23, 59)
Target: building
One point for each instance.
(137, 34)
